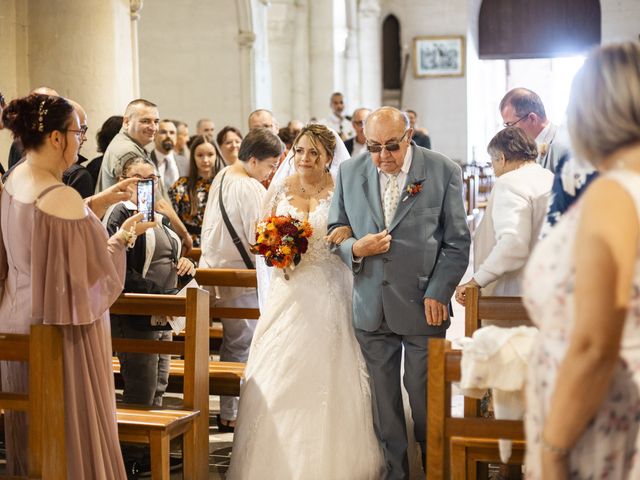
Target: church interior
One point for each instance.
(447, 62)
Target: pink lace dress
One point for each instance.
(63, 272)
(608, 447)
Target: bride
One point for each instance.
(305, 405)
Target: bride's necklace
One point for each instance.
(313, 189)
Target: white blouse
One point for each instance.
(242, 197)
(510, 228)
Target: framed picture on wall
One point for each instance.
(438, 56)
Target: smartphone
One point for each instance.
(145, 199)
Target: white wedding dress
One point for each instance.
(305, 406)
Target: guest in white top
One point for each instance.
(163, 156)
(513, 218)
(237, 190)
(339, 122)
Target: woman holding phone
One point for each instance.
(58, 267)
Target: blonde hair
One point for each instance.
(604, 107)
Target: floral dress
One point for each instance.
(608, 447)
(181, 200)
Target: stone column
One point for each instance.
(300, 63)
(135, 7)
(82, 49)
(321, 57)
(352, 59)
(370, 53)
(246, 40)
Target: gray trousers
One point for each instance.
(145, 375)
(382, 350)
(236, 341)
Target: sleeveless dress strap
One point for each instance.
(47, 190)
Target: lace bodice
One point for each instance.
(318, 251)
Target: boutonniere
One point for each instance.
(413, 189)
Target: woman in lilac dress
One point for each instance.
(58, 267)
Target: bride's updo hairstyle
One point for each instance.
(261, 144)
(31, 119)
(318, 134)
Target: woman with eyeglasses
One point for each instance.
(189, 194)
(59, 267)
(514, 216)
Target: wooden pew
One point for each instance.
(500, 309)
(224, 377)
(156, 426)
(444, 368)
(195, 254)
(44, 404)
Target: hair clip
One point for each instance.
(42, 112)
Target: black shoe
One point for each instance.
(222, 428)
(144, 470)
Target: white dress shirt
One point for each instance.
(358, 148)
(167, 167)
(340, 124)
(401, 178)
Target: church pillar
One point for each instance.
(370, 53)
(352, 59)
(135, 7)
(246, 40)
(83, 49)
(300, 63)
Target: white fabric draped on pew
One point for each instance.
(496, 358)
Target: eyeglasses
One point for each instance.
(150, 177)
(389, 147)
(511, 124)
(80, 134)
(358, 123)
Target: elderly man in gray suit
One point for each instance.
(408, 250)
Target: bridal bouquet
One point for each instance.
(282, 240)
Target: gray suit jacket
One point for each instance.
(429, 248)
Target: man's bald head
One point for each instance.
(391, 117)
(387, 130)
(263, 118)
(44, 91)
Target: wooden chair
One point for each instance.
(157, 426)
(500, 309)
(471, 182)
(444, 368)
(44, 404)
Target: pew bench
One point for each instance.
(467, 452)
(44, 404)
(444, 369)
(157, 427)
(224, 377)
